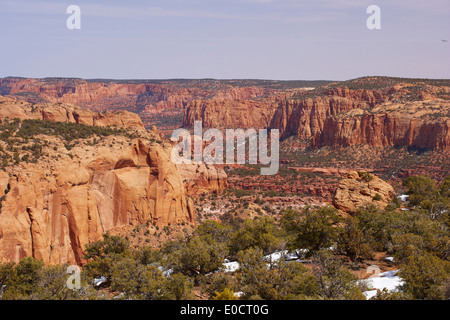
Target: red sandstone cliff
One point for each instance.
(202, 178)
(151, 99)
(13, 109)
(52, 208)
(402, 115)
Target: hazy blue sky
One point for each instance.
(266, 39)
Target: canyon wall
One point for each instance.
(52, 208)
(13, 109)
(51, 213)
(155, 101)
(341, 117)
(202, 178)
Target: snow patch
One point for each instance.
(388, 280)
(230, 266)
(99, 281)
(166, 272)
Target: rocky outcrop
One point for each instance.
(385, 130)
(202, 178)
(305, 118)
(13, 109)
(167, 93)
(342, 117)
(360, 188)
(148, 98)
(229, 113)
(51, 210)
(402, 115)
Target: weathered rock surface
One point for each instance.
(229, 113)
(202, 178)
(402, 115)
(360, 188)
(166, 93)
(52, 210)
(151, 99)
(13, 109)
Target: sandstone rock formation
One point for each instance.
(360, 188)
(400, 115)
(166, 93)
(229, 113)
(52, 210)
(13, 109)
(202, 178)
(151, 99)
(199, 178)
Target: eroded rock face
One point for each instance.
(146, 98)
(13, 109)
(399, 126)
(108, 94)
(360, 188)
(341, 117)
(51, 211)
(203, 178)
(229, 113)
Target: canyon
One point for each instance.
(378, 111)
(403, 114)
(159, 102)
(74, 191)
(67, 113)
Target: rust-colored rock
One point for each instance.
(150, 99)
(53, 209)
(202, 178)
(229, 113)
(360, 188)
(13, 109)
(401, 115)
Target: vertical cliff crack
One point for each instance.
(30, 215)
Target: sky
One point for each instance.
(225, 39)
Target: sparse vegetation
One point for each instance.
(23, 137)
(418, 241)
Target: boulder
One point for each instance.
(360, 188)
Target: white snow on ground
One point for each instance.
(99, 281)
(391, 259)
(403, 197)
(388, 280)
(288, 256)
(166, 272)
(275, 256)
(120, 295)
(230, 266)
